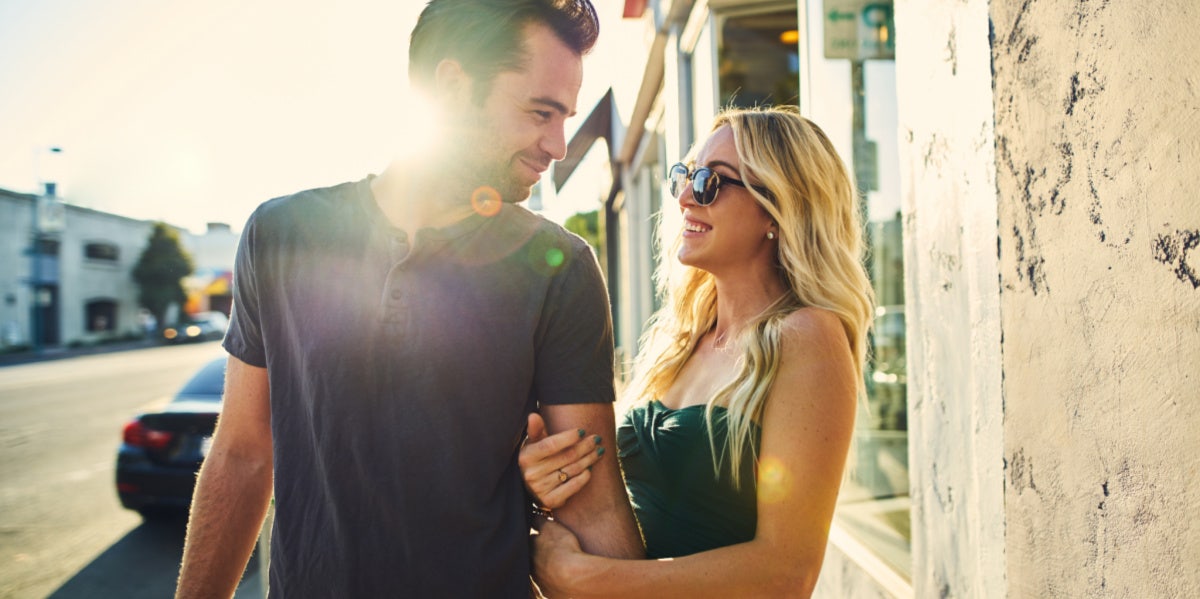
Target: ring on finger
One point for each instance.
(562, 476)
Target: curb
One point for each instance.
(59, 353)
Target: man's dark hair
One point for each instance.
(485, 36)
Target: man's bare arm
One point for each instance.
(599, 514)
(233, 489)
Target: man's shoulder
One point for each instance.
(317, 204)
(537, 227)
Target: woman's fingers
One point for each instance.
(570, 468)
(579, 457)
(539, 447)
(557, 497)
(552, 466)
(570, 460)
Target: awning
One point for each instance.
(599, 124)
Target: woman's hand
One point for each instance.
(554, 548)
(558, 466)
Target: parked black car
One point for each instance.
(162, 451)
(204, 326)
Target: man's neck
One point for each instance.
(417, 196)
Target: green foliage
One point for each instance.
(587, 226)
(159, 272)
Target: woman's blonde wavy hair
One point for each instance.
(820, 262)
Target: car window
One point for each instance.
(209, 381)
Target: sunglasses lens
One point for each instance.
(677, 177)
(704, 186)
(704, 183)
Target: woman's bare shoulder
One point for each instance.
(813, 328)
(815, 387)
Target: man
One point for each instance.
(390, 336)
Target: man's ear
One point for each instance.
(452, 85)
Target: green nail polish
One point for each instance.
(599, 451)
(597, 439)
(581, 433)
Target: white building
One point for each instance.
(65, 276)
(1027, 170)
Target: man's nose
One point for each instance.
(554, 142)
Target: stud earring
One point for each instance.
(770, 235)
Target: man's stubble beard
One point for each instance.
(485, 170)
(499, 175)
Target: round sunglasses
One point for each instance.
(705, 183)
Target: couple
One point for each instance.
(390, 336)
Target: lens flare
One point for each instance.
(773, 480)
(486, 201)
(546, 255)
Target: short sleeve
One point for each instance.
(575, 349)
(244, 339)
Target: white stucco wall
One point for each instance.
(82, 280)
(1098, 141)
(944, 91)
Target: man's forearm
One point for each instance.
(610, 530)
(599, 514)
(227, 513)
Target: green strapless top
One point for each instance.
(683, 505)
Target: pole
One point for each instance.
(34, 280)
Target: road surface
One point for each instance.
(63, 533)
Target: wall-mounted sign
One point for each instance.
(859, 29)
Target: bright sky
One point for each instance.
(193, 112)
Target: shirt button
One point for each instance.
(396, 293)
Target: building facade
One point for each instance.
(1025, 174)
(66, 274)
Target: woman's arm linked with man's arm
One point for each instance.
(599, 512)
(807, 425)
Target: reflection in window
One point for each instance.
(759, 65)
(101, 315)
(875, 504)
(758, 59)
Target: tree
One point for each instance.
(159, 272)
(587, 226)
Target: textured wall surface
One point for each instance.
(842, 576)
(1097, 145)
(952, 298)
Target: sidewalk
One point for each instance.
(59, 353)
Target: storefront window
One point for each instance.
(849, 90)
(757, 59)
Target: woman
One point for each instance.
(745, 394)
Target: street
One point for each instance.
(63, 532)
